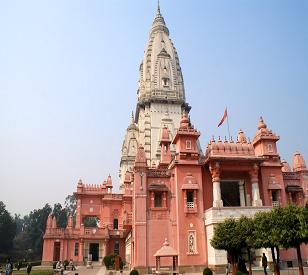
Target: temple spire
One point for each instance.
(158, 7)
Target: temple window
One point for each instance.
(165, 81)
(115, 223)
(157, 199)
(76, 250)
(190, 199)
(188, 144)
(275, 199)
(192, 242)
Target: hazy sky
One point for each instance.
(69, 72)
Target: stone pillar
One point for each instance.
(164, 202)
(81, 251)
(242, 193)
(152, 198)
(105, 248)
(256, 200)
(215, 171)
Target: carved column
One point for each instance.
(215, 171)
(242, 193)
(81, 250)
(256, 200)
(152, 199)
(164, 202)
(105, 247)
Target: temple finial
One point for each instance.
(132, 118)
(158, 7)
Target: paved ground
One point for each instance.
(99, 270)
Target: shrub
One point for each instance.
(239, 273)
(108, 261)
(207, 271)
(134, 272)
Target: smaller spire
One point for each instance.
(132, 119)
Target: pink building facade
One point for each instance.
(170, 188)
(181, 200)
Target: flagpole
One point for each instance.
(228, 125)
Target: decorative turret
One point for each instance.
(165, 156)
(70, 222)
(49, 222)
(186, 140)
(285, 167)
(241, 137)
(54, 222)
(129, 150)
(299, 163)
(140, 160)
(265, 140)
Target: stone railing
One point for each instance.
(217, 215)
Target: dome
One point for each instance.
(184, 121)
(285, 166)
(298, 162)
(261, 124)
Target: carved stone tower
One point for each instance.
(161, 95)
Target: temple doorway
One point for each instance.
(230, 193)
(56, 251)
(94, 251)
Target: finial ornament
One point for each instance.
(158, 7)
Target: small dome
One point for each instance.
(241, 137)
(298, 162)
(261, 124)
(184, 121)
(285, 166)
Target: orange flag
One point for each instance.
(223, 118)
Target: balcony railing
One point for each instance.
(275, 204)
(190, 205)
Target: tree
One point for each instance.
(227, 237)
(246, 228)
(294, 231)
(266, 234)
(71, 204)
(7, 229)
(61, 215)
(35, 225)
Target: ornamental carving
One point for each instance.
(215, 171)
(253, 173)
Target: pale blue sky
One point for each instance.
(69, 72)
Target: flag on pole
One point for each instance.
(223, 118)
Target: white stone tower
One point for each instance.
(161, 97)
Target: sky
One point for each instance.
(69, 73)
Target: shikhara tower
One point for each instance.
(161, 98)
